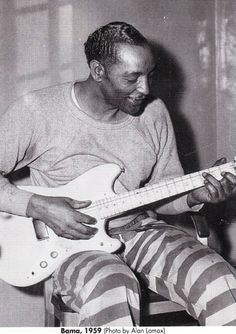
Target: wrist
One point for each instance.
(35, 205)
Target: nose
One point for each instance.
(143, 87)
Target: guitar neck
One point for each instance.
(115, 205)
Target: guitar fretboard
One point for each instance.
(117, 204)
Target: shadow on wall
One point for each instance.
(34, 290)
(169, 85)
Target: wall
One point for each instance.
(226, 74)
(42, 44)
(226, 102)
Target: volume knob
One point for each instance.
(54, 254)
(43, 264)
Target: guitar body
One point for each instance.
(27, 257)
(30, 251)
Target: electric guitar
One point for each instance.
(30, 251)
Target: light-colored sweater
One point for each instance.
(47, 132)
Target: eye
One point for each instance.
(132, 81)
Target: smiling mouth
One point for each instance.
(136, 101)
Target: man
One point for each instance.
(62, 131)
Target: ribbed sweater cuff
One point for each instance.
(13, 200)
(181, 205)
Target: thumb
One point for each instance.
(219, 162)
(79, 204)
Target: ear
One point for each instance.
(97, 70)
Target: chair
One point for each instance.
(58, 314)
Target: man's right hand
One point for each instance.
(62, 216)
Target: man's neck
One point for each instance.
(91, 102)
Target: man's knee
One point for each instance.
(94, 273)
(115, 274)
(215, 277)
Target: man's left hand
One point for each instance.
(214, 191)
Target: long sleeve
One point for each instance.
(15, 140)
(169, 166)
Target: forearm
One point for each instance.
(12, 199)
(178, 206)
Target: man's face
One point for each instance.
(125, 84)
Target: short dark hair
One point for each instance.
(101, 45)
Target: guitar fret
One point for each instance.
(196, 180)
(180, 185)
(163, 190)
(171, 188)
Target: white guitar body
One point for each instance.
(26, 259)
(30, 251)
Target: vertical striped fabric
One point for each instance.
(103, 289)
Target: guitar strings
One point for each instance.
(107, 201)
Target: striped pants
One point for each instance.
(103, 289)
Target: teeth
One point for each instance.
(136, 101)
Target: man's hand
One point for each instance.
(214, 191)
(62, 216)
